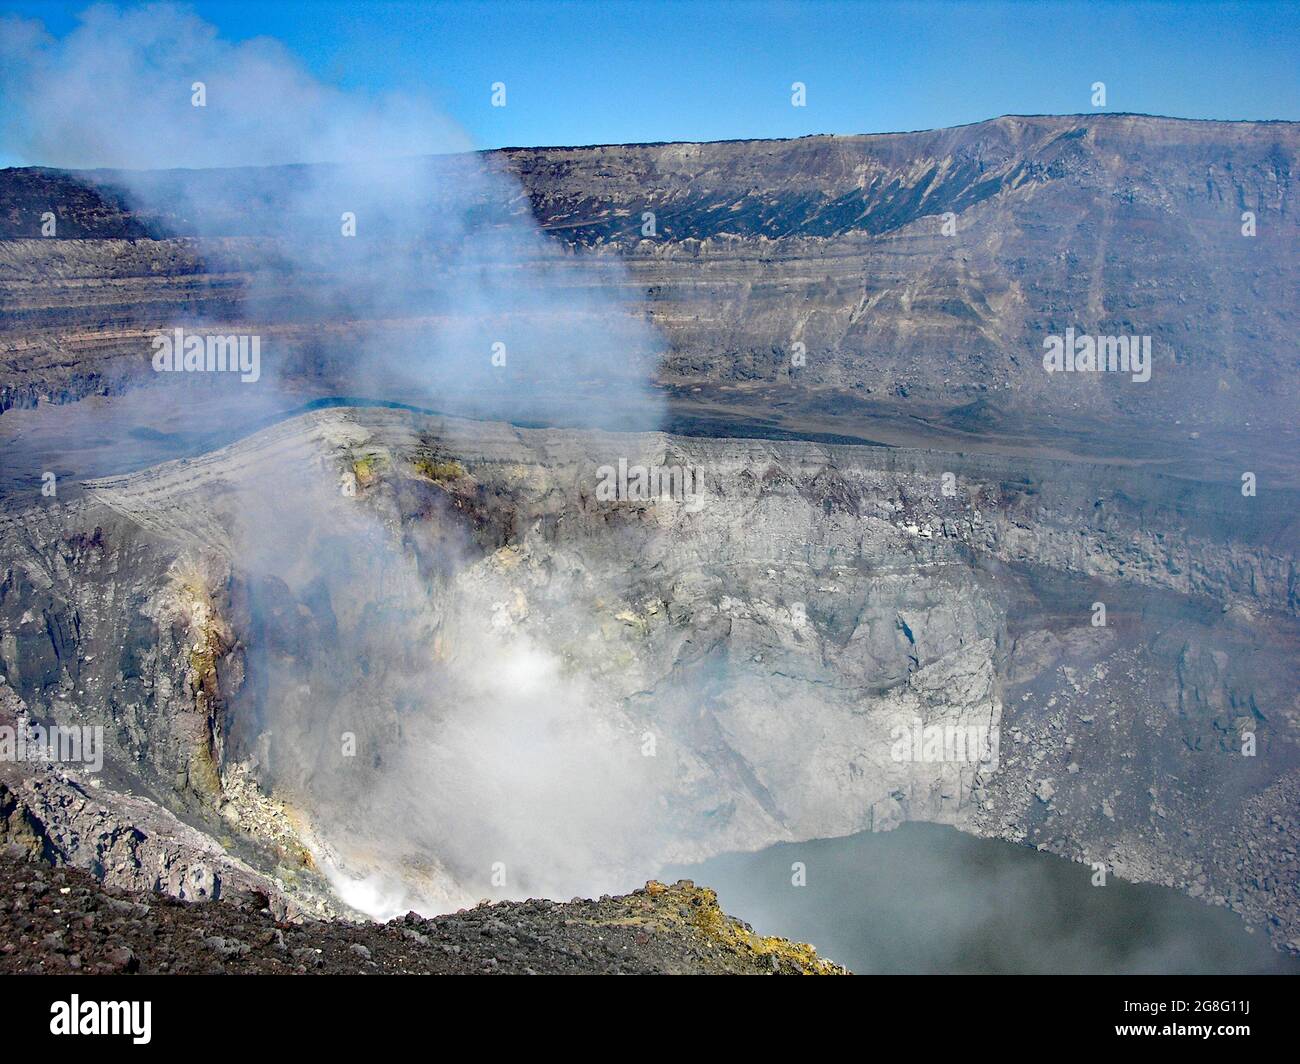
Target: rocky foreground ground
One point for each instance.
(62, 920)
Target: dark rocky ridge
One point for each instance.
(61, 921)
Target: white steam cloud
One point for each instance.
(487, 754)
(117, 92)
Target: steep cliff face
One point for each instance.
(411, 660)
(718, 670)
(919, 272)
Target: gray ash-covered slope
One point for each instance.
(1111, 224)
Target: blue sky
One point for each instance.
(584, 73)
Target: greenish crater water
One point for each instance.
(926, 898)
